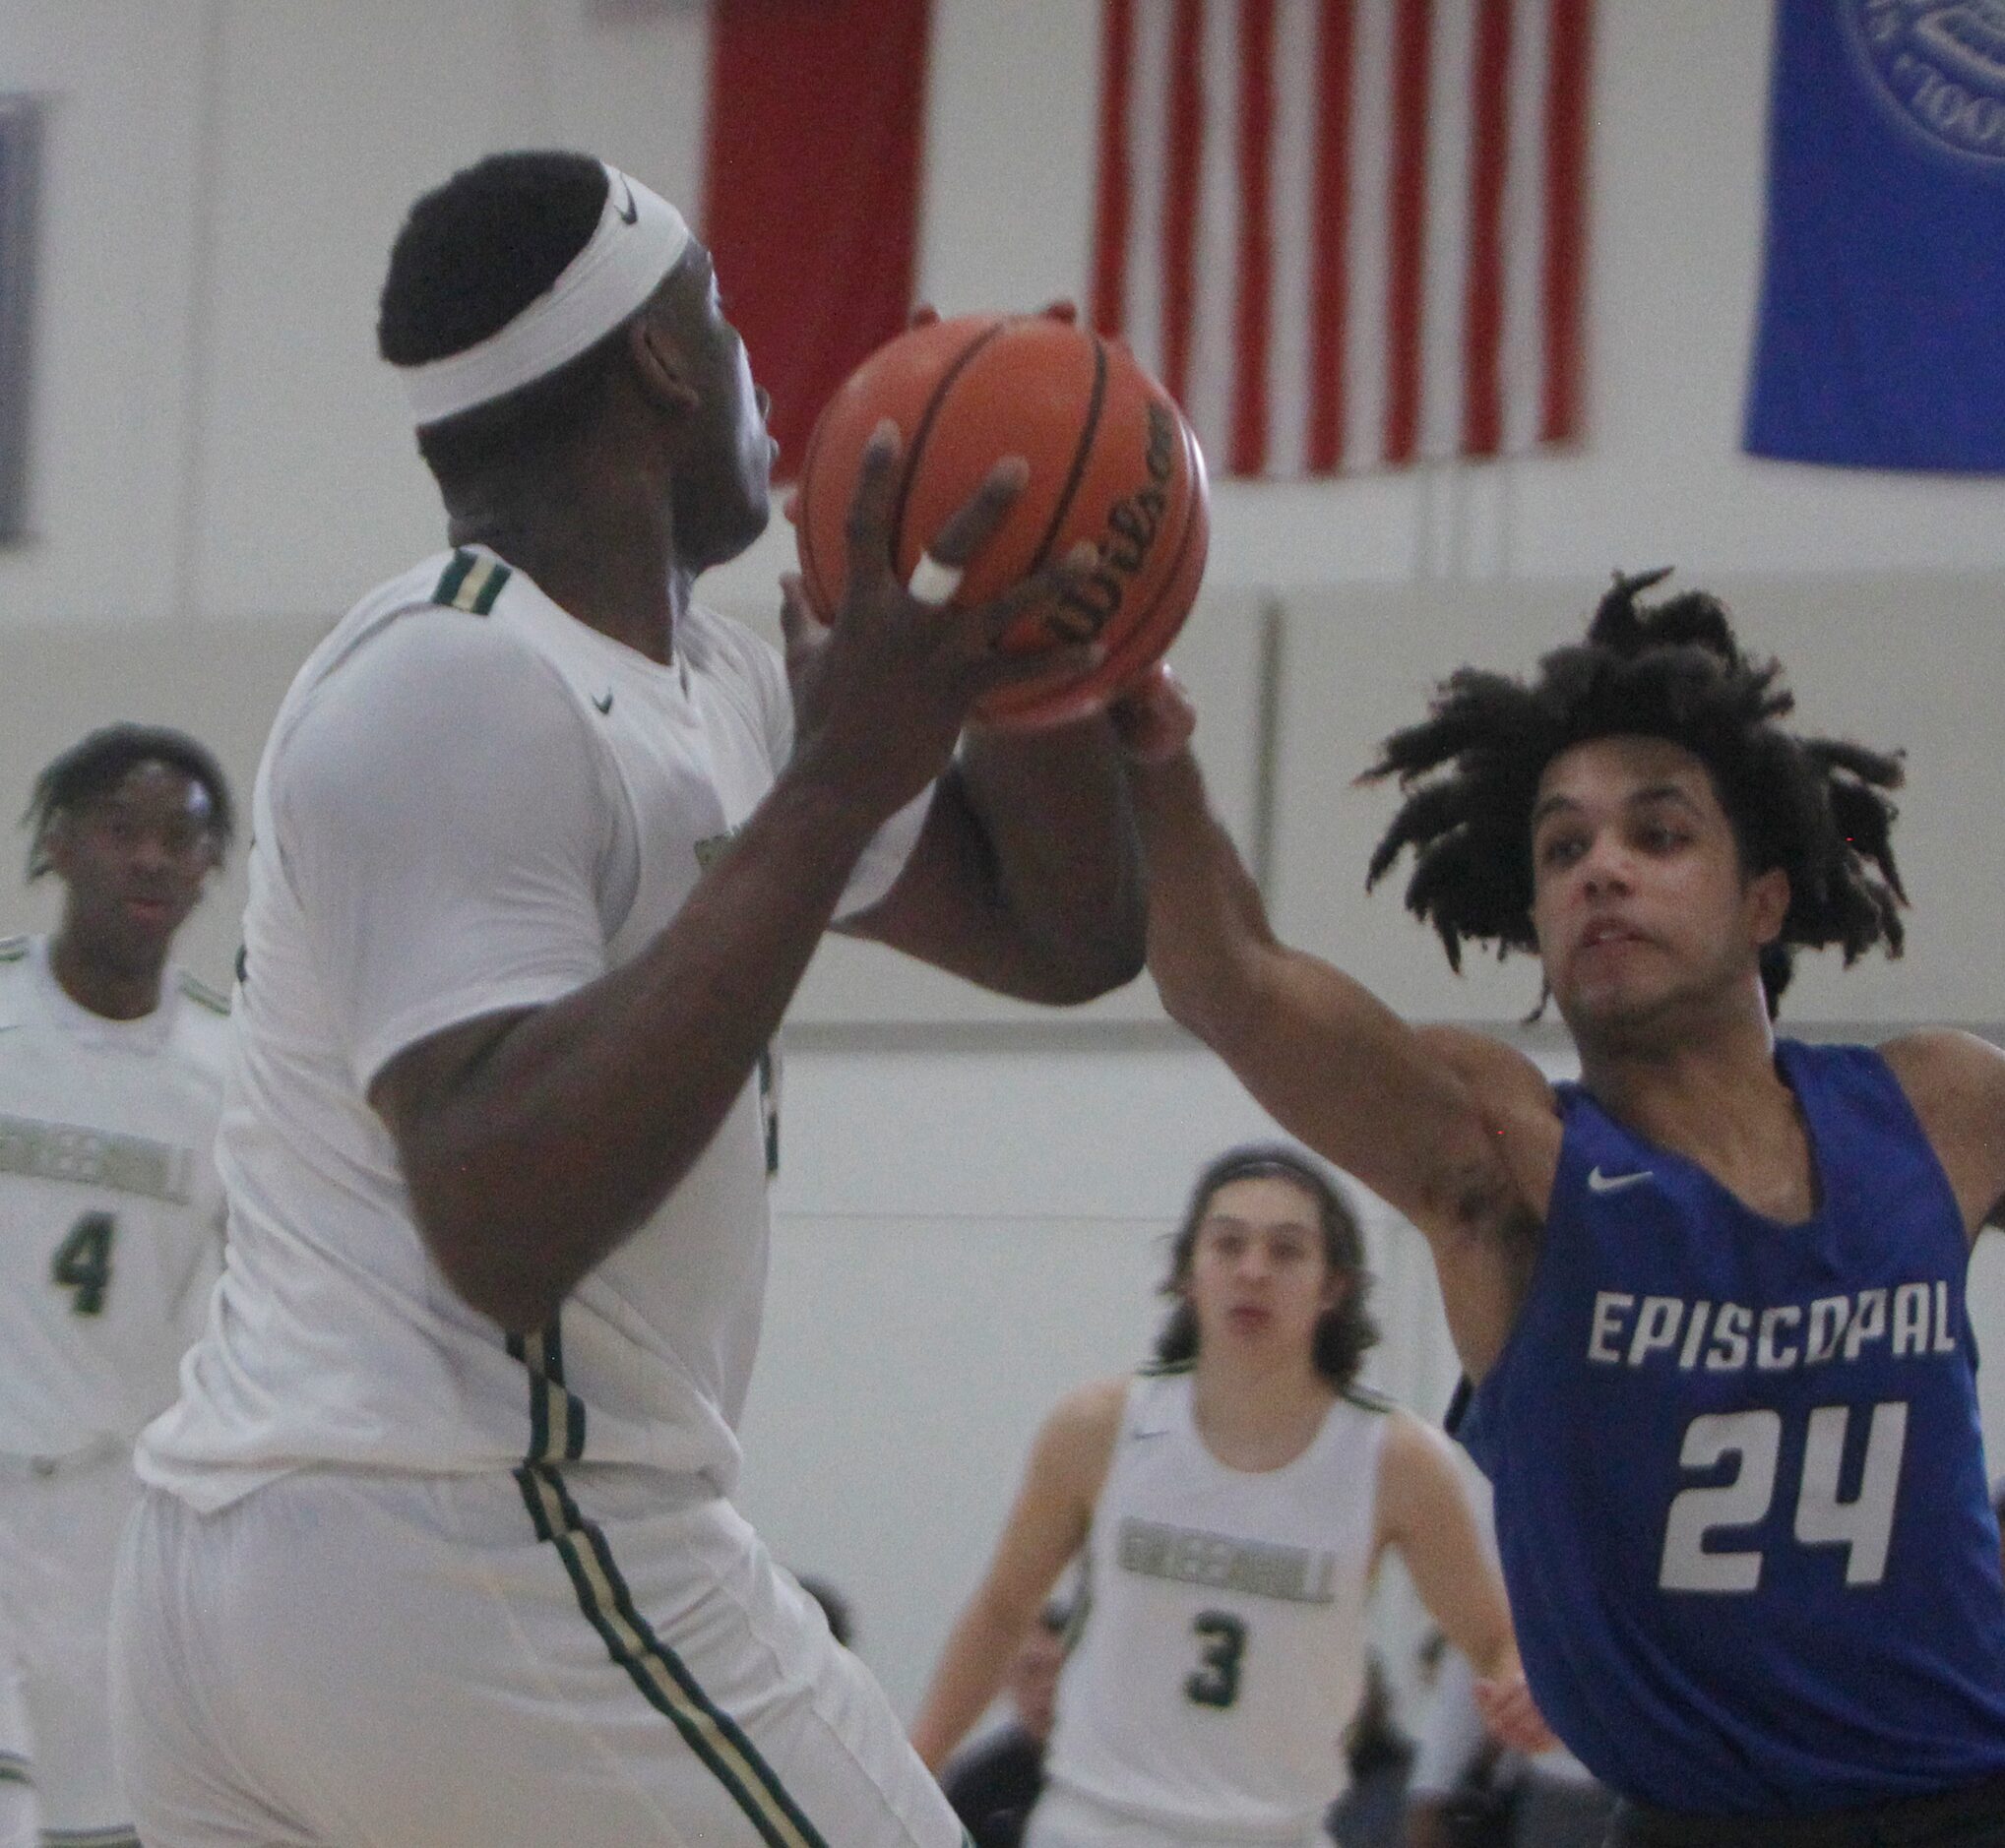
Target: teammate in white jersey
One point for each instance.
(1232, 1502)
(110, 1231)
(438, 1549)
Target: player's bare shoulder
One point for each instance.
(1076, 1443)
(1516, 1102)
(1417, 1470)
(1089, 1415)
(1956, 1083)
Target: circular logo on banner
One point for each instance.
(1940, 67)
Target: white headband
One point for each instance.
(639, 239)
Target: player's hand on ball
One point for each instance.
(1511, 1716)
(882, 691)
(1154, 718)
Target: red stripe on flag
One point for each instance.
(1329, 262)
(1113, 204)
(1253, 309)
(817, 110)
(1180, 185)
(1483, 327)
(1406, 234)
(1566, 157)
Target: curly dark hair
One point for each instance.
(94, 766)
(1345, 1333)
(471, 255)
(1817, 808)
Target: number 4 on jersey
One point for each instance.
(83, 1263)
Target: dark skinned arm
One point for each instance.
(533, 1142)
(1027, 879)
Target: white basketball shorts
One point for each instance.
(344, 1660)
(60, 1546)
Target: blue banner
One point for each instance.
(1881, 342)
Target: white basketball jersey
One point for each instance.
(111, 1213)
(336, 1338)
(1221, 1652)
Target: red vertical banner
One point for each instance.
(817, 118)
(1566, 153)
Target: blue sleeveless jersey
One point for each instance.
(1739, 1479)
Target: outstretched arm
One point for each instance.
(1027, 876)
(1455, 1131)
(1045, 1528)
(1425, 1514)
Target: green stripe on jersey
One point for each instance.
(202, 995)
(470, 582)
(1366, 1400)
(13, 948)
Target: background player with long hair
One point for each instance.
(1232, 1502)
(1712, 1297)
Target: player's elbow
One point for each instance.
(490, 1274)
(1089, 969)
(489, 1253)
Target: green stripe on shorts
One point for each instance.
(660, 1674)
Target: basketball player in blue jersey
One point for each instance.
(1711, 1298)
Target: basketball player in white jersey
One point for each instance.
(1232, 1502)
(110, 1230)
(438, 1548)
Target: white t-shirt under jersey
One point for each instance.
(111, 1213)
(473, 802)
(1222, 1653)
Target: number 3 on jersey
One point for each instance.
(1215, 1683)
(1863, 1525)
(83, 1263)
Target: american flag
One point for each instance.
(1348, 234)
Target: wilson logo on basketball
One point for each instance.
(1133, 523)
(1112, 461)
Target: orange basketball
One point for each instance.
(1111, 460)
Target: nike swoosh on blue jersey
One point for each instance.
(1599, 1183)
